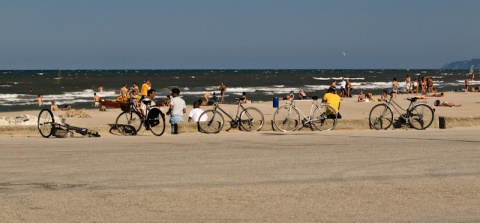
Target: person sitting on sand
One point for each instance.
(361, 97)
(384, 95)
(167, 100)
(54, 106)
(196, 112)
(289, 96)
(243, 99)
(332, 99)
(302, 95)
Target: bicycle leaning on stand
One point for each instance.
(417, 115)
(321, 117)
(246, 118)
(130, 121)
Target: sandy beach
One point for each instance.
(355, 114)
(350, 174)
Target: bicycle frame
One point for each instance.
(312, 108)
(239, 108)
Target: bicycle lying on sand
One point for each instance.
(417, 115)
(248, 119)
(321, 117)
(48, 127)
(131, 120)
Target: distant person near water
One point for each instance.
(223, 89)
(395, 87)
(96, 100)
(39, 100)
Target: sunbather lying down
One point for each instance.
(438, 95)
(448, 104)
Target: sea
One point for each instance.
(20, 88)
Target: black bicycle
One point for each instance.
(417, 115)
(131, 120)
(48, 127)
(248, 119)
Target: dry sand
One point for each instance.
(355, 114)
(334, 176)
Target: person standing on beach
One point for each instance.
(395, 87)
(176, 111)
(39, 100)
(96, 99)
(145, 87)
(343, 90)
(123, 92)
(408, 84)
(223, 89)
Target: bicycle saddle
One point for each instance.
(412, 99)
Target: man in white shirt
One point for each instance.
(196, 112)
(147, 101)
(177, 109)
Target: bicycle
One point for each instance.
(417, 115)
(47, 126)
(130, 121)
(248, 119)
(321, 117)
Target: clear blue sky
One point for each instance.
(237, 34)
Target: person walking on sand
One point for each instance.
(176, 110)
(39, 100)
(96, 100)
(223, 89)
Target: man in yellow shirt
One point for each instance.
(332, 99)
(145, 87)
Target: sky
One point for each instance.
(237, 34)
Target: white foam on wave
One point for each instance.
(338, 78)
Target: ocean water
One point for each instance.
(19, 88)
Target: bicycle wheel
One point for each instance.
(156, 121)
(251, 119)
(286, 118)
(46, 123)
(128, 120)
(324, 118)
(381, 117)
(421, 116)
(210, 121)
